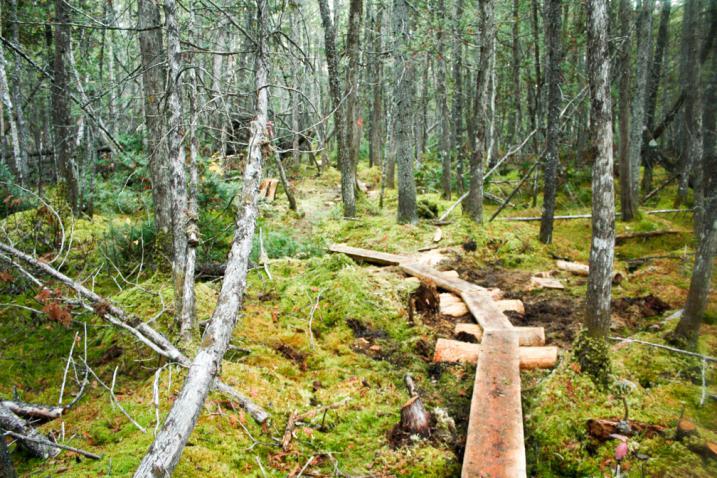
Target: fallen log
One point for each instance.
(527, 336)
(573, 267)
(142, 331)
(601, 428)
(33, 410)
(6, 468)
(57, 446)
(463, 352)
(620, 238)
(9, 422)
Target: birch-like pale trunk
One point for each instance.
(552, 130)
(187, 320)
(515, 118)
(178, 179)
(404, 93)
(152, 55)
(164, 454)
(17, 98)
(602, 248)
(18, 168)
(637, 115)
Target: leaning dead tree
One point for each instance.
(164, 454)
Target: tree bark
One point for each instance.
(17, 96)
(376, 133)
(602, 249)
(515, 118)
(404, 94)
(688, 328)
(17, 162)
(444, 145)
(457, 105)
(11, 422)
(348, 182)
(62, 119)
(153, 76)
(6, 468)
(637, 113)
(689, 76)
(552, 138)
(164, 454)
(178, 179)
(351, 141)
(653, 86)
(474, 202)
(628, 201)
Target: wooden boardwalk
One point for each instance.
(494, 444)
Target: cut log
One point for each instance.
(545, 283)
(452, 305)
(527, 336)
(573, 267)
(438, 235)
(271, 191)
(463, 352)
(12, 423)
(511, 305)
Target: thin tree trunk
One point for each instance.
(17, 162)
(17, 97)
(538, 96)
(404, 94)
(457, 105)
(348, 193)
(653, 86)
(62, 119)
(474, 202)
(178, 179)
(164, 454)
(444, 144)
(6, 468)
(689, 74)
(552, 138)
(637, 114)
(628, 201)
(153, 78)
(376, 68)
(516, 113)
(602, 249)
(351, 141)
(688, 329)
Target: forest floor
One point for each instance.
(358, 343)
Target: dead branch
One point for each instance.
(33, 410)
(48, 443)
(31, 439)
(295, 418)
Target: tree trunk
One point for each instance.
(689, 74)
(538, 96)
(474, 202)
(628, 201)
(17, 96)
(444, 144)
(348, 194)
(17, 164)
(602, 249)
(653, 86)
(178, 179)
(404, 94)
(688, 328)
(11, 422)
(515, 117)
(552, 138)
(637, 114)
(62, 119)
(351, 141)
(457, 105)
(164, 454)
(153, 75)
(6, 468)
(376, 137)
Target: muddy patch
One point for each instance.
(557, 312)
(290, 353)
(635, 308)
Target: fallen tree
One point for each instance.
(164, 454)
(36, 446)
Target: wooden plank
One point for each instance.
(455, 351)
(374, 257)
(495, 443)
(451, 284)
(527, 336)
(485, 310)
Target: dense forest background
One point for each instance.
(173, 172)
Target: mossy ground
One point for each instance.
(335, 363)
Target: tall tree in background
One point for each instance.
(152, 55)
(444, 143)
(457, 105)
(593, 351)
(348, 183)
(376, 79)
(17, 159)
(552, 138)
(353, 70)
(687, 331)
(637, 115)
(178, 177)
(61, 115)
(404, 95)
(628, 201)
(515, 118)
(653, 87)
(474, 201)
(17, 98)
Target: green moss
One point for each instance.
(593, 356)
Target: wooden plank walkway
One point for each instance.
(495, 446)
